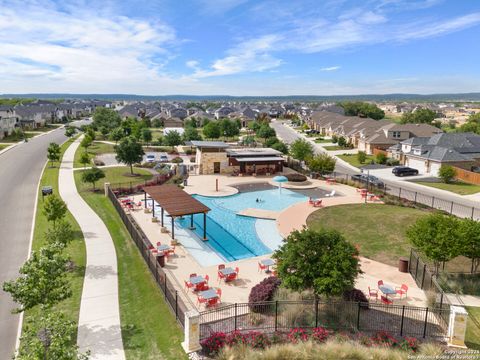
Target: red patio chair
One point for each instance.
(261, 267)
(386, 300)
(220, 276)
(212, 301)
(231, 277)
(188, 285)
(207, 278)
(221, 266)
(151, 247)
(219, 293)
(379, 283)
(201, 300)
(193, 275)
(372, 293)
(318, 203)
(237, 270)
(159, 243)
(402, 290)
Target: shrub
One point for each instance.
(381, 158)
(361, 157)
(320, 334)
(342, 142)
(177, 160)
(408, 344)
(334, 139)
(295, 177)
(263, 291)
(393, 162)
(214, 343)
(447, 173)
(355, 295)
(297, 334)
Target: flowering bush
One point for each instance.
(409, 344)
(297, 334)
(320, 334)
(383, 338)
(263, 291)
(214, 343)
(257, 340)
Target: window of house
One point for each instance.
(396, 134)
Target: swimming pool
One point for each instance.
(236, 237)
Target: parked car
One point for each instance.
(150, 158)
(163, 157)
(370, 179)
(404, 171)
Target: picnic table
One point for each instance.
(227, 271)
(195, 280)
(267, 263)
(387, 290)
(163, 248)
(208, 294)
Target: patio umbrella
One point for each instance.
(280, 180)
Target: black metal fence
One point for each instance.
(335, 315)
(176, 304)
(129, 187)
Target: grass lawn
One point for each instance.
(96, 148)
(149, 330)
(334, 147)
(378, 229)
(352, 159)
(3, 146)
(472, 339)
(460, 188)
(13, 139)
(75, 250)
(115, 175)
(45, 128)
(323, 141)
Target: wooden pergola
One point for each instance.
(176, 203)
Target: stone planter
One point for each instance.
(154, 220)
(147, 210)
(164, 230)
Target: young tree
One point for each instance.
(280, 146)
(92, 176)
(90, 131)
(53, 152)
(265, 131)
(436, 236)
(157, 123)
(254, 125)
(129, 152)
(381, 158)
(342, 142)
(42, 279)
(70, 131)
(146, 135)
(61, 234)
(320, 260)
(54, 208)
(425, 116)
(321, 163)
(172, 138)
(212, 130)
(84, 159)
(191, 133)
(104, 117)
(470, 240)
(361, 157)
(86, 142)
(49, 336)
(447, 173)
(117, 134)
(229, 128)
(301, 149)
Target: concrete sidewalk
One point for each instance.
(99, 327)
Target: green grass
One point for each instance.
(353, 160)
(323, 141)
(45, 128)
(115, 175)
(75, 250)
(14, 139)
(378, 229)
(334, 147)
(472, 338)
(3, 146)
(459, 188)
(97, 148)
(149, 330)
(467, 284)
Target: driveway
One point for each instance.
(386, 174)
(21, 168)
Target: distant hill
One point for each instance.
(299, 98)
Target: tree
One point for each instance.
(146, 135)
(86, 142)
(70, 131)
(108, 118)
(61, 234)
(229, 128)
(53, 152)
(104, 131)
(117, 134)
(301, 149)
(381, 158)
(362, 109)
(420, 116)
(157, 123)
(447, 173)
(190, 123)
(49, 336)
(90, 132)
(254, 125)
(84, 159)
(265, 131)
(212, 130)
(436, 236)
(361, 157)
(472, 124)
(320, 260)
(42, 279)
(342, 142)
(172, 138)
(92, 176)
(470, 240)
(191, 133)
(321, 163)
(54, 208)
(129, 152)
(280, 146)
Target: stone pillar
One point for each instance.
(106, 186)
(191, 342)
(457, 326)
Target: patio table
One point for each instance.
(208, 294)
(163, 248)
(267, 263)
(195, 280)
(387, 290)
(227, 271)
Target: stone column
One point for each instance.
(191, 342)
(457, 326)
(106, 186)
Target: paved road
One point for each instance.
(20, 170)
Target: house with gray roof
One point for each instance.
(8, 121)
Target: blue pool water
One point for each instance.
(233, 236)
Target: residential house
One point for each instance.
(223, 112)
(8, 121)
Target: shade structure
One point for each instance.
(280, 179)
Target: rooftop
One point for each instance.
(254, 152)
(175, 201)
(210, 144)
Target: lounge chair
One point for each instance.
(317, 203)
(332, 194)
(261, 267)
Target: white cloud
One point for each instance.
(330, 68)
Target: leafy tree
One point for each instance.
(472, 124)
(447, 173)
(321, 163)
(190, 123)
(107, 118)
(191, 133)
(92, 176)
(320, 260)
(86, 142)
(263, 118)
(212, 130)
(104, 131)
(381, 158)
(362, 109)
(436, 236)
(301, 149)
(361, 157)
(70, 131)
(42, 279)
(90, 132)
(420, 116)
(117, 134)
(157, 123)
(49, 336)
(280, 146)
(228, 128)
(248, 140)
(265, 131)
(334, 139)
(470, 240)
(84, 159)
(254, 125)
(172, 138)
(129, 152)
(54, 208)
(53, 152)
(342, 142)
(146, 135)
(270, 141)
(61, 234)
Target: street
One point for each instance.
(20, 170)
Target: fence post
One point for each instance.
(416, 267)
(473, 211)
(433, 202)
(423, 276)
(399, 193)
(176, 305)
(316, 312)
(441, 300)
(276, 314)
(415, 200)
(451, 209)
(403, 317)
(358, 316)
(191, 342)
(235, 321)
(425, 325)
(165, 285)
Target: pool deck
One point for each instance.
(260, 213)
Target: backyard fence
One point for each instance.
(129, 187)
(333, 315)
(176, 304)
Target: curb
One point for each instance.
(22, 142)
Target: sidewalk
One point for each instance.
(99, 327)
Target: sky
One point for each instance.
(240, 47)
